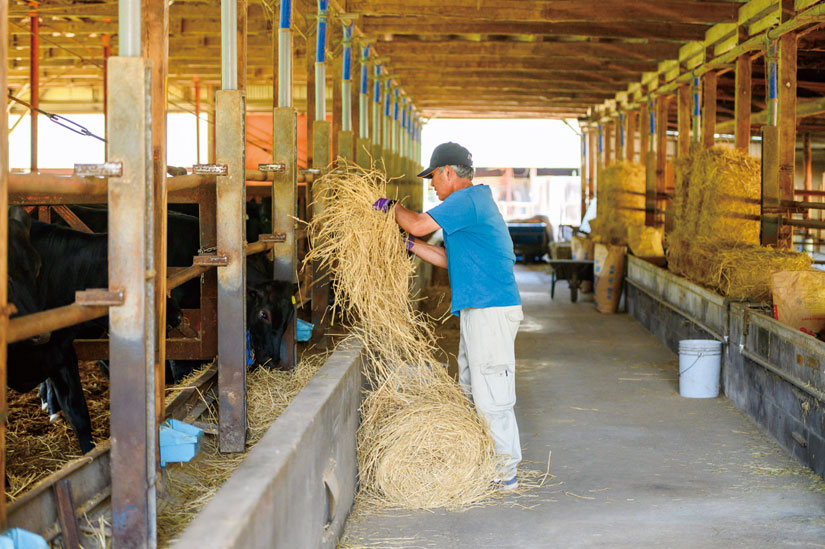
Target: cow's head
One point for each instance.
(269, 307)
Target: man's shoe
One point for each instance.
(509, 484)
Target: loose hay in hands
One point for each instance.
(421, 444)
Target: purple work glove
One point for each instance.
(383, 204)
(409, 241)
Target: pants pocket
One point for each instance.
(500, 381)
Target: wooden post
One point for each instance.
(311, 46)
(644, 132)
(630, 131)
(651, 167)
(684, 120)
(808, 167)
(743, 102)
(769, 206)
(584, 171)
(608, 144)
(593, 170)
(4, 239)
(619, 139)
(662, 104)
(787, 126)
(210, 101)
(155, 45)
(709, 110)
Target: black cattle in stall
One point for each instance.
(50, 356)
(270, 303)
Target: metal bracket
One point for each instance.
(274, 168)
(100, 297)
(313, 171)
(107, 169)
(210, 169)
(212, 260)
(278, 237)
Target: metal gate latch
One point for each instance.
(210, 169)
(274, 168)
(100, 297)
(107, 169)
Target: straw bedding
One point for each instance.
(34, 447)
(715, 241)
(620, 202)
(421, 444)
(190, 486)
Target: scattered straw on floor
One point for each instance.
(421, 444)
(36, 448)
(190, 486)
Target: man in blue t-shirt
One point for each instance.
(479, 259)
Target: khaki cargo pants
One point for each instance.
(487, 373)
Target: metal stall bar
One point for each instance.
(4, 239)
(230, 213)
(285, 182)
(362, 146)
(345, 136)
(131, 270)
(321, 158)
(34, 76)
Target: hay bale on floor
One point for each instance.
(620, 202)
(744, 271)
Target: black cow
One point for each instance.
(269, 302)
(33, 361)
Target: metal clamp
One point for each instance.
(100, 297)
(312, 171)
(278, 237)
(274, 168)
(107, 169)
(211, 260)
(210, 169)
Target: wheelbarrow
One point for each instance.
(574, 271)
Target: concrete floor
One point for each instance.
(634, 463)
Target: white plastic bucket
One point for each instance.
(700, 361)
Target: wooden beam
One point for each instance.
(442, 64)
(662, 107)
(644, 133)
(709, 109)
(414, 48)
(618, 137)
(607, 143)
(743, 102)
(630, 132)
(556, 10)
(422, 25)
(684, 119)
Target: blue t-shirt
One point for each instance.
(480, 254)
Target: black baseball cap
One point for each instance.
(448, 154)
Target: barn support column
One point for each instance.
(630, 139)
(132, 330)
(321, 157)
(362, 146)
(386, 136)
(662, 106)
(644, 135)
(620, 119)
(709, 110)
(684, 120)
(743, 102)
(608, 144)
(651, 164)
(591, 162)
(787, 128)
(770, 152)
(696, 119)
(345, 136)
(34, 77)
(376, 114)
(584, 171)
(4, 232)
(285, 182)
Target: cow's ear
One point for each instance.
(19, 213)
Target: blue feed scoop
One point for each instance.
(17, 538)
(304, 332)
(179, 441)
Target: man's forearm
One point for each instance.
(417, 224)
(435, 255)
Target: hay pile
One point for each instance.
(190, 486)
(421, 444)
(620, 202)
(36, 448)
(715, 241)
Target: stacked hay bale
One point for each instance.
(421, 444)
(620, 202)
(715, 241)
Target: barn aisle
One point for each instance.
(633, 462)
